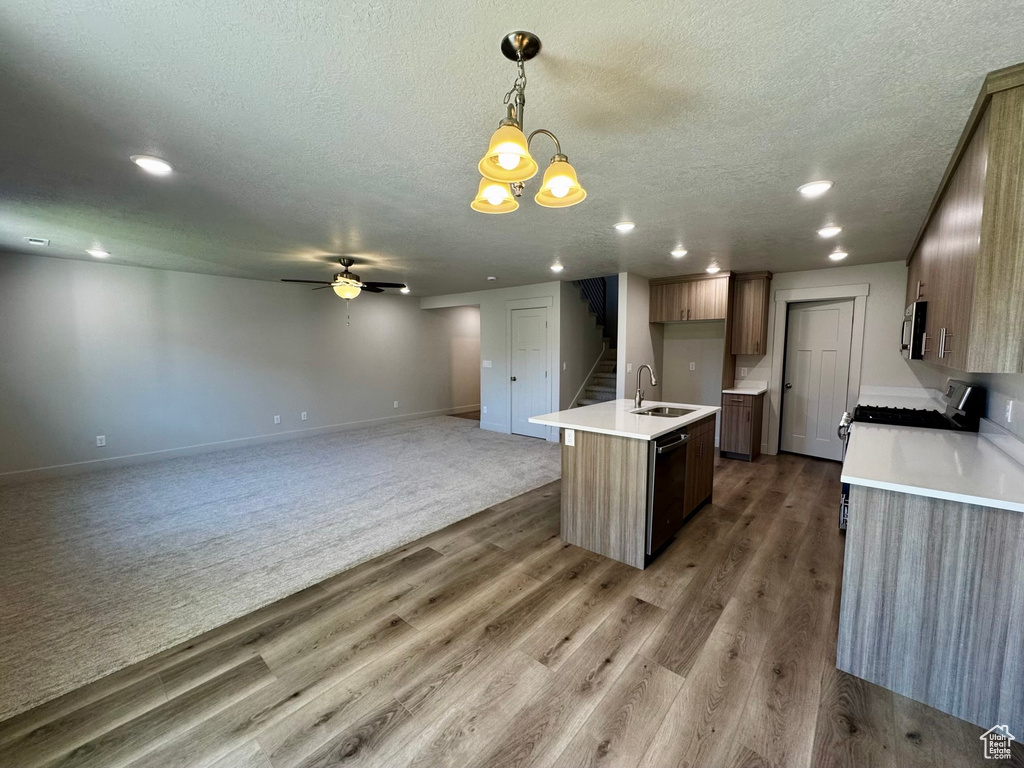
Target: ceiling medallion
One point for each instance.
(508, 164)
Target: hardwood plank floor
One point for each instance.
(493, 643)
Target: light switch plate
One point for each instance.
(693, 366)
(743, 371)
(629, 367)
(570, 437)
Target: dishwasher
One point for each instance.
(666, 484)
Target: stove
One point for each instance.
(965, 405)
(911, 417)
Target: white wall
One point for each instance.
(162, 361)
(581, 344)
(464, 346)
(495, 387)
(702, 344)
(883, 365)
(639, 341)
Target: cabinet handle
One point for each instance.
(687, 314)
(737, 399)
(919, 286)
(924, 344)
(942, 343)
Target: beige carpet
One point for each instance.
(102, 570)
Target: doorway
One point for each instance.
(816, 377)
(529, 370)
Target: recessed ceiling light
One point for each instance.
(556, 267)
(679, 252)
(713, 269)
(491, 278)
(37, 241)
(153, 165)
(838, 254)
(99, 253)
(830, 231)
(814, 188)
(625, 226)
(404, 289)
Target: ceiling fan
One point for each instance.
(348, 285)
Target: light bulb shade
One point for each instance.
(560, 187)
(508, 145)
(493, 197)
(347, 290)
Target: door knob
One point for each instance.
(513, 378)
(788, 386)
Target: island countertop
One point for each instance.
(620, 418)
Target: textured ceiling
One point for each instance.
(301, 129)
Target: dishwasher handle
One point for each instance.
(669, 447)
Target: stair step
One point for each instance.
(593, 389)
(594, 400)
(606, 367)
(604, 377)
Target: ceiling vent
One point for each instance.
(37, 241)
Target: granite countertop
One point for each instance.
(619, 418)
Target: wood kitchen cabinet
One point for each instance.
(750, 313)
(968, 260)
(700, 465)
(741, 426)
(690, 297)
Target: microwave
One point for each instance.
(912, 336)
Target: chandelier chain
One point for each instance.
(519, 86)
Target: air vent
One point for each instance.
(37, 241)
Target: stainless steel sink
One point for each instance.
(665, 410)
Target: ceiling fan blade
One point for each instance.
(372, 288)
(315, 282)
(322, 286)
(377, 284)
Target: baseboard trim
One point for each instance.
(113, 462)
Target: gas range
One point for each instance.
(912, 417)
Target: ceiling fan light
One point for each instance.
(347, 290)
(561, 187)
(508, 159)
(493, 197)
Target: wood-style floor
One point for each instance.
(492, 643)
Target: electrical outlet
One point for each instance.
(629, 367)
(1009, 411)
(488, 364)
(484, 409)
(277, 419)
(743, 371)
(565, 366)
(693, 366)
(570, 437)
(396, 403)
(303, 415)
(101, 440)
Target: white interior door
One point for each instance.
(530, 387)
(816, 377)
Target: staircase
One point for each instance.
(600, 387)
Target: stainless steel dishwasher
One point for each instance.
(666, 466)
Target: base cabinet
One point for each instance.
(741, 426)
(700, 465)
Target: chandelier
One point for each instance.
(508, 164)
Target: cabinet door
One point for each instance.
(750, 316)
(693, 480)
(736, 432)
(709, 299)
(659, 307)
(682, 300)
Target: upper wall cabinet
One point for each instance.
(750, 313)
(690, 297)
(968, 260)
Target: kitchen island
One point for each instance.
(631, 476)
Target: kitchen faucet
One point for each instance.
(638, 399)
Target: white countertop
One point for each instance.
(745, 391)
(941, 464)
(617, 417)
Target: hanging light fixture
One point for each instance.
(493, 197)
(508, 163)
